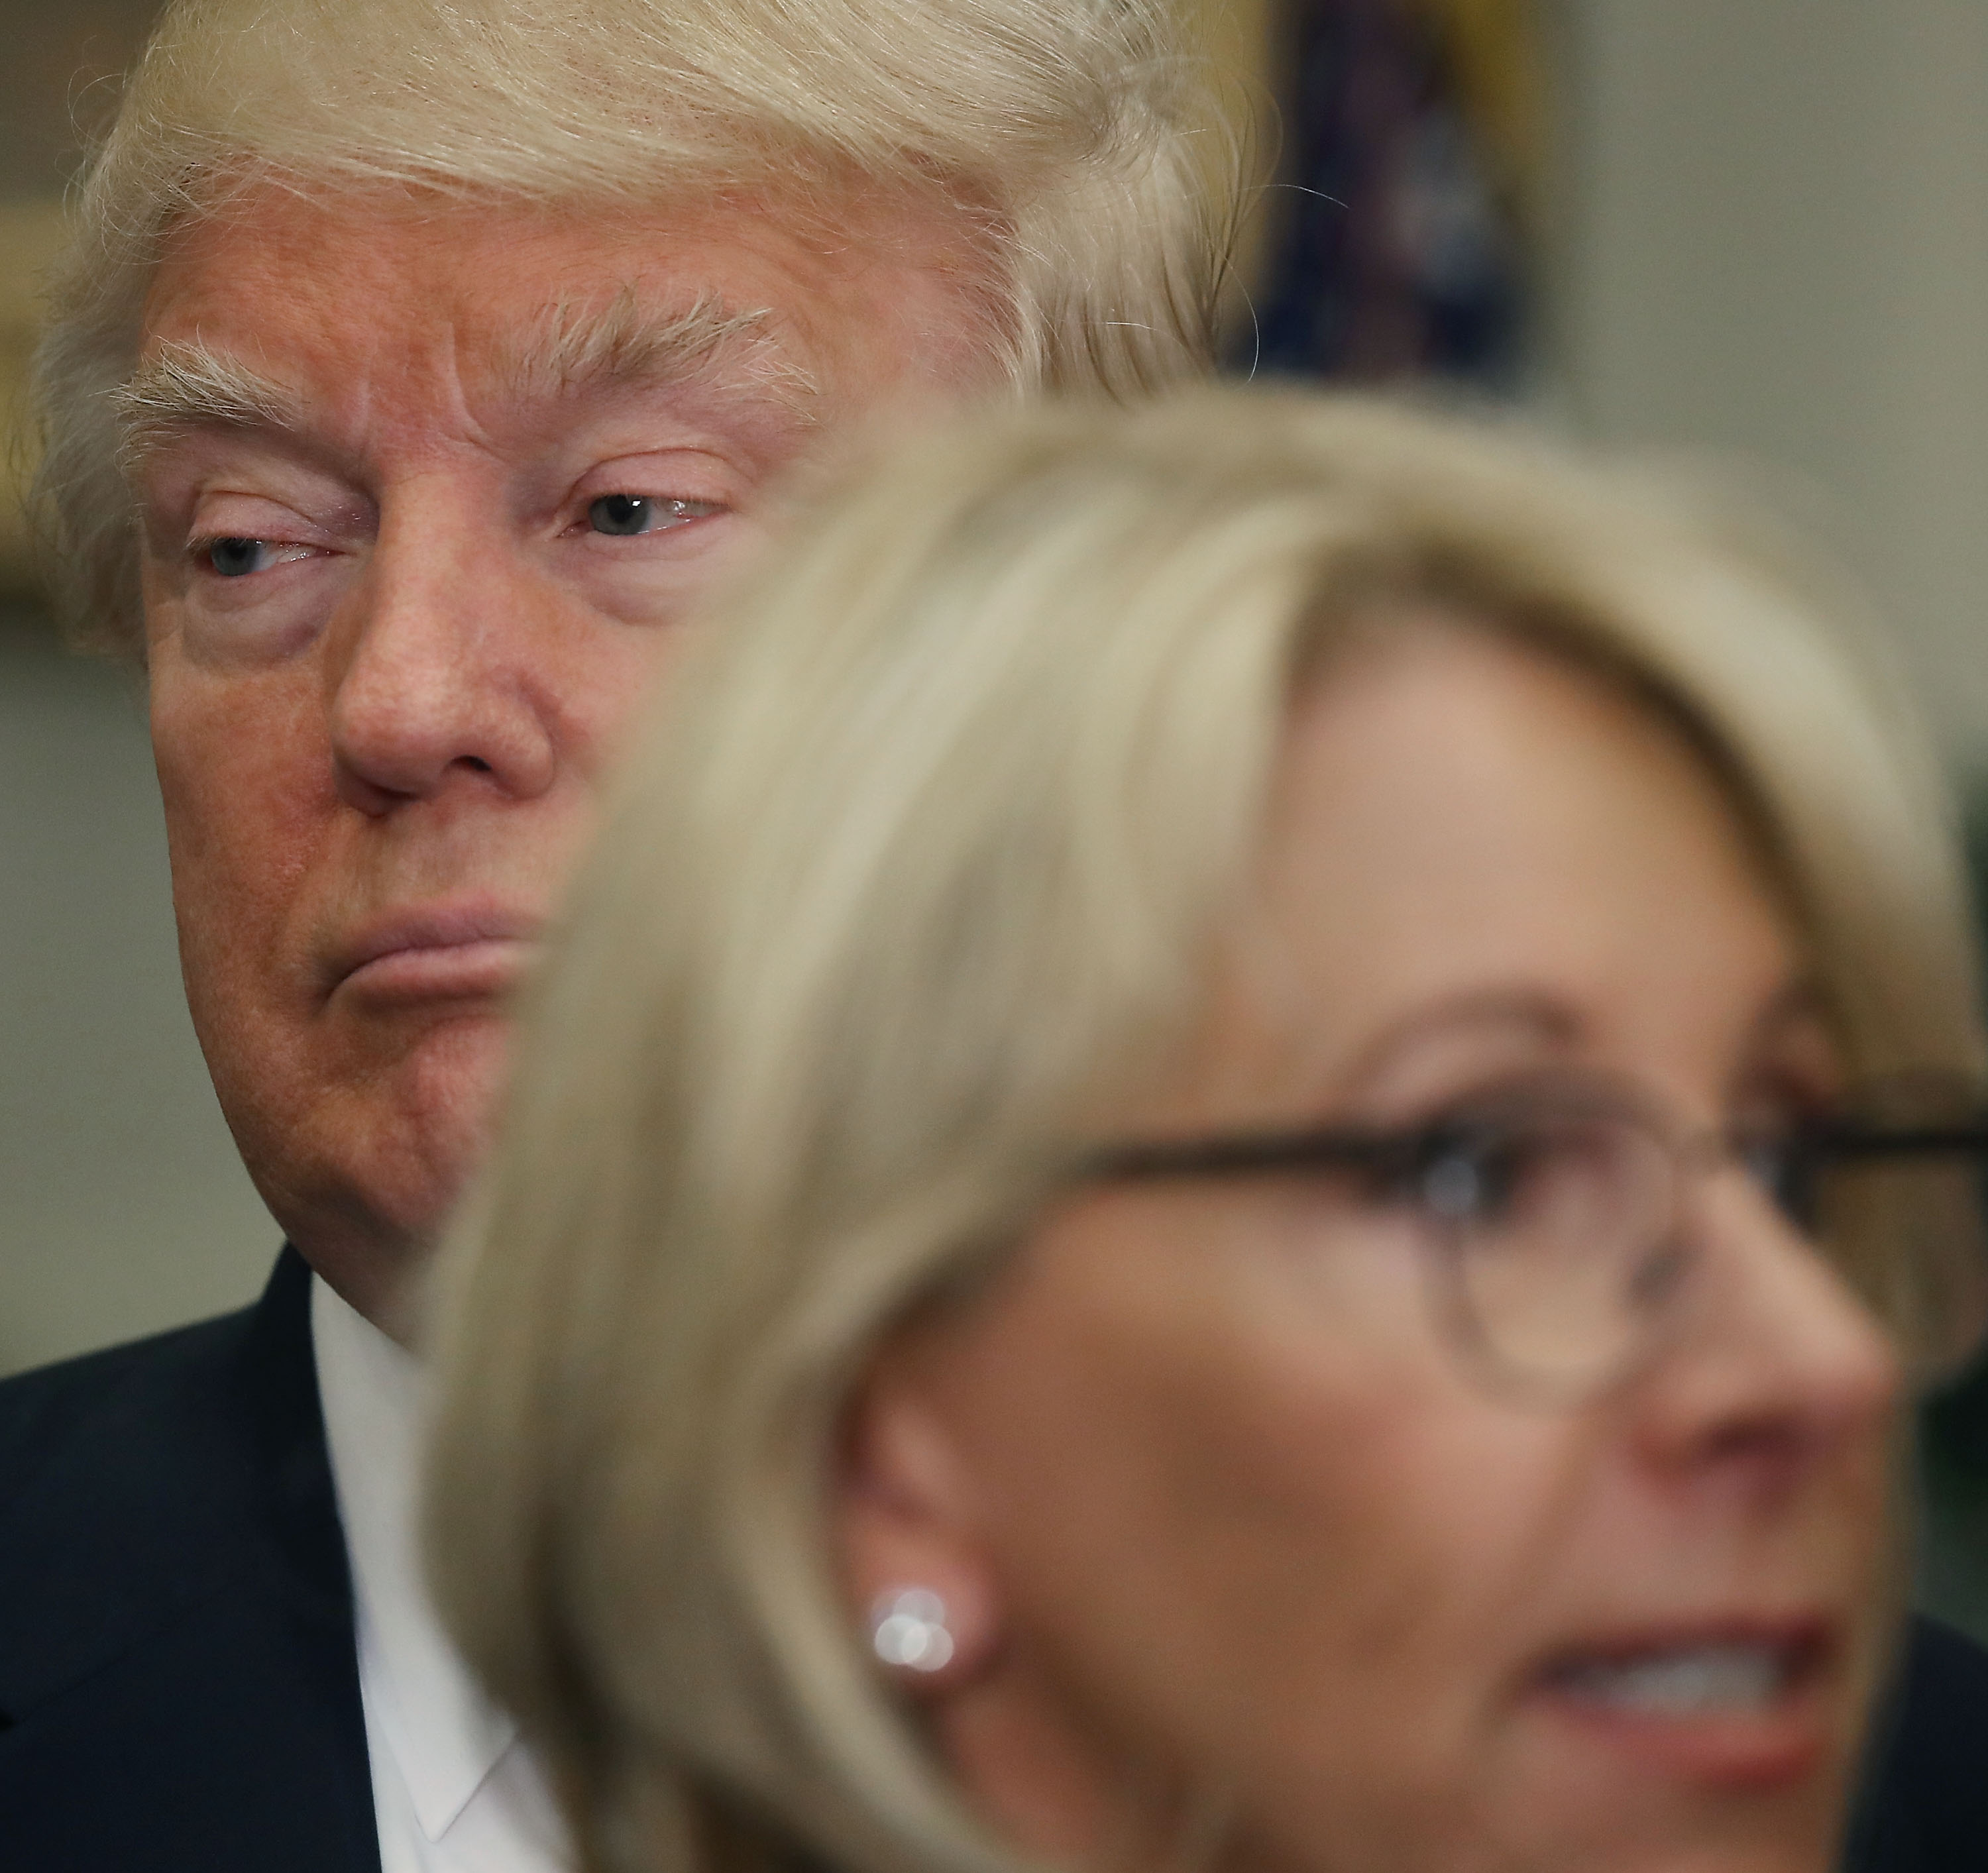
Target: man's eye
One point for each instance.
(624, 514)
(233, 557)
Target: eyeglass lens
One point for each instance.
(1563, 1238)
(1909, 1234)
(1559, 1232)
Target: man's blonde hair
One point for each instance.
(923, 873)
(1079, 135)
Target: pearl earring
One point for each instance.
(907, 1629)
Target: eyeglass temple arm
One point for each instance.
(1243, 1156)
(1247, 1153)
(1876, 1141)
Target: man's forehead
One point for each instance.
(361, 305)
(372, 259)
(621, 340)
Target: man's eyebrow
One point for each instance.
(184, 384)
(181, 385)
(629, 345)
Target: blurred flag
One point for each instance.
(1411, 129)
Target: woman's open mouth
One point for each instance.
(1743, 1707)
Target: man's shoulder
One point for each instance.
(48, 1414)
(138, 1482)
(179, 1688)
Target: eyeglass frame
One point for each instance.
(1806, 1147)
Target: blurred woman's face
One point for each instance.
(1237, 1533)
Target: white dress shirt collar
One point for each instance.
(446, 1739)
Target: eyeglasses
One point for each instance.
(1555, 1217)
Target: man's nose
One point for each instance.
(433, 683)
(1777, 1366)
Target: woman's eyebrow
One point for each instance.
(1532, 1017)
(1523, 1011)
(1798, 1013)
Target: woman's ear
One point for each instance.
(919, 1579)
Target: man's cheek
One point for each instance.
(235, 756)
(632, 679)
(227, 958)
(235, 853)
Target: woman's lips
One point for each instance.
(443, 953)
(1739, 1707)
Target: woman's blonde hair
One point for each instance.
(1081, 136)
(925, 866)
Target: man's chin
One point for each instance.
(365, 1181)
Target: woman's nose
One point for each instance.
(1777, 1368)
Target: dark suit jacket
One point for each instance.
(1925, 1808)
(179, 1690)
(179, 1686)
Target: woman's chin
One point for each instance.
(1621, 1789)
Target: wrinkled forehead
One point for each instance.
(526, 290)
(520, 299)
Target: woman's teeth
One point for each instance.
(1698, 1681)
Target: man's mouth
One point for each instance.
(438, 952)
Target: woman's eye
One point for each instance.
(1460, 1186)
(1485, 1184)
(625, 514)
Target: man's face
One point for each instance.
(426, 493)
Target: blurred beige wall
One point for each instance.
(1239, 35)
(57, 84)
(1776, 222)
(30, 232)
(125, 1207)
